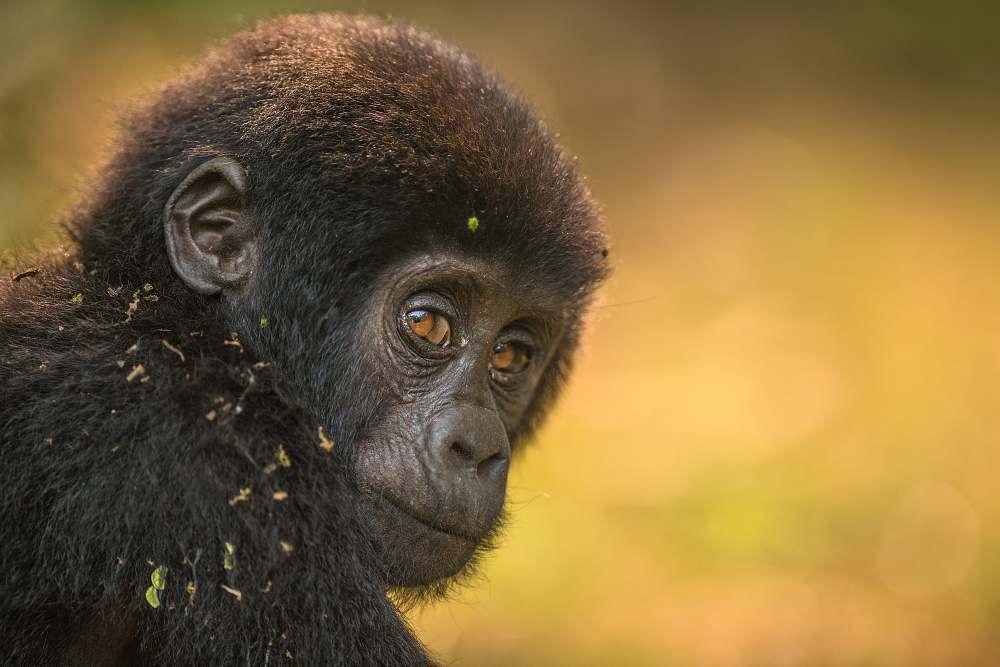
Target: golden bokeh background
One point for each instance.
(780, 447)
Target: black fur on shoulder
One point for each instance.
(144, 426)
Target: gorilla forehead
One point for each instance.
(396, 139)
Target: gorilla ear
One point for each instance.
(211, 243)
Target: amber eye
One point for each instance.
(432, 327)
(509, 358)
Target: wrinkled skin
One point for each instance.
(435, 468)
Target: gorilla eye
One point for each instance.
(432, 327)
(509, 357)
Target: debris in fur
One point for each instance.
(325, 443)
(283, 458)
(241, 497)
(158, 578)
(232, 591)
(132, 307)
(174, 350)
(153, 597)
(137, 371)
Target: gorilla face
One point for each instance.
(430, 369)
(446, 355)
(460, 347)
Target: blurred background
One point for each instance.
(780, 447)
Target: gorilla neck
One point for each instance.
(222, 474)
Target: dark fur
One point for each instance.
(364, 142)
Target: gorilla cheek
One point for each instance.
(387, 466)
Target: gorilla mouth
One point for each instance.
(390, 503)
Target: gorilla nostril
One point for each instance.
(492, 467)
(467, 457)
(461, 450)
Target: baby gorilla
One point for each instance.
(330, 281)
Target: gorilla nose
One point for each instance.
(469, 442)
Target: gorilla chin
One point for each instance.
(416, 551)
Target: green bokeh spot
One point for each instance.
(473, 224)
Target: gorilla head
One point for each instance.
(398, 256)
(420, 247)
